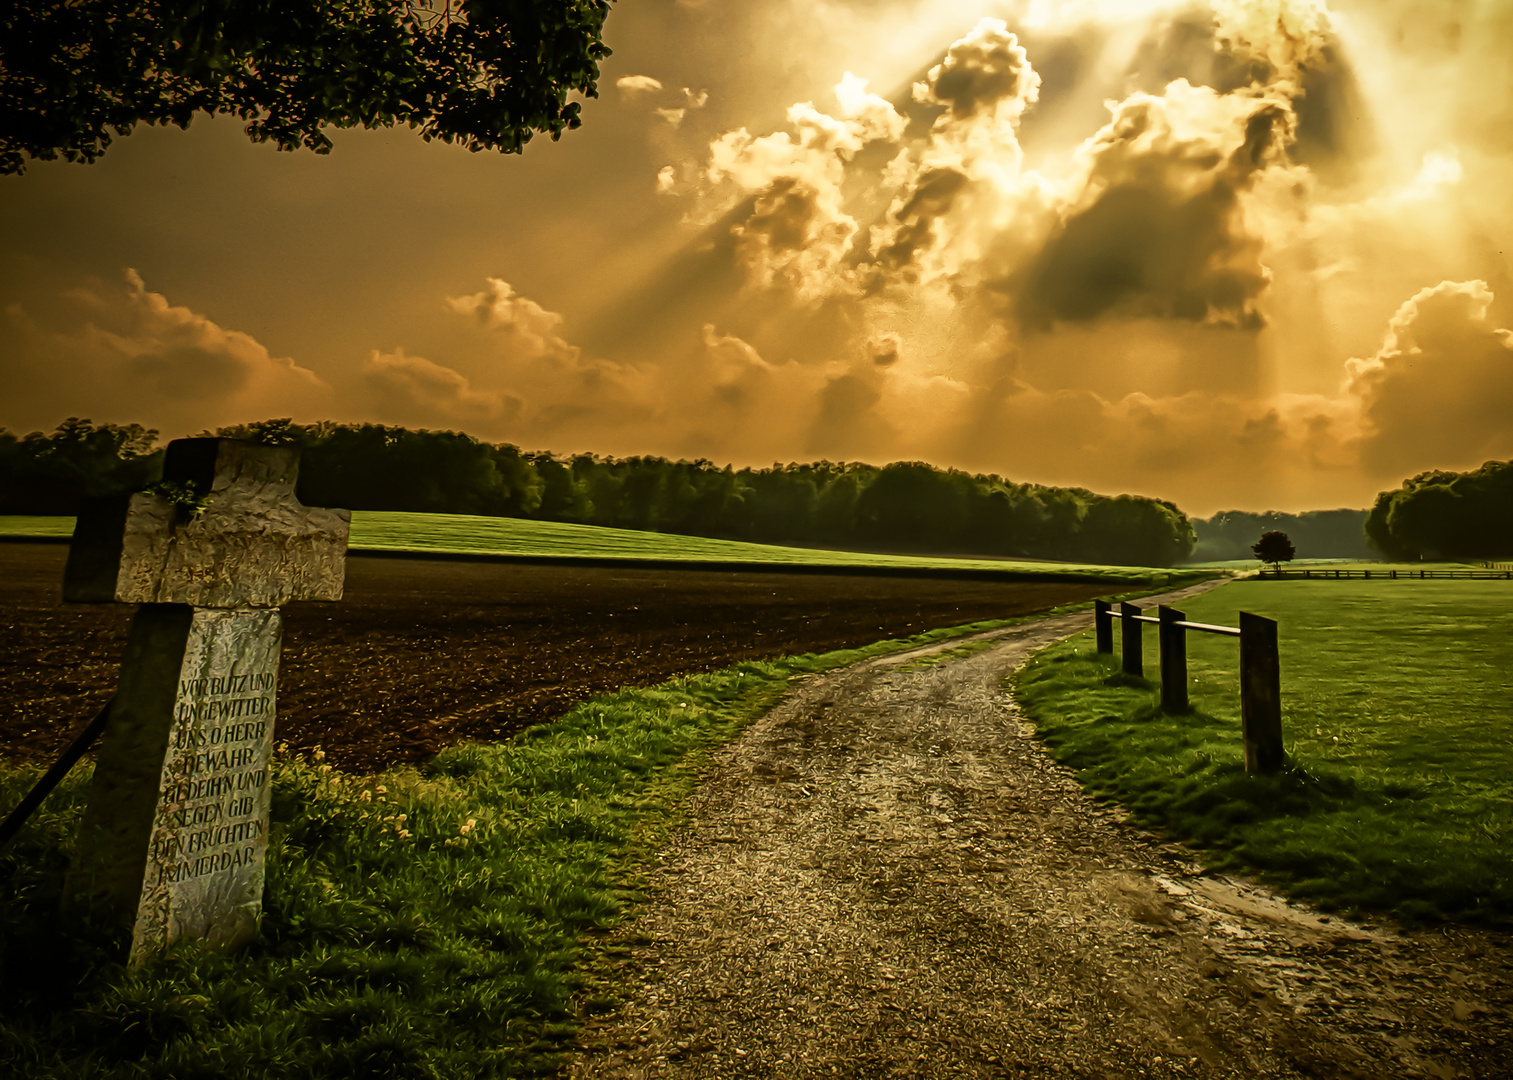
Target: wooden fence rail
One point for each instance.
(1320, 574)
(1260, 669)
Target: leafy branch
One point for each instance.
(187, 498)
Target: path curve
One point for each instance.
(888, 876)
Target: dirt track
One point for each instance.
(421, 654)
(887, 876)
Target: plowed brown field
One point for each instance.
(425, 653)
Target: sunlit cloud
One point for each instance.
(1439, 391)
(797, 233)
(631, 85)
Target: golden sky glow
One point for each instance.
(1234, 253)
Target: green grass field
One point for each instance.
(1398, 722)
(21, 525)
(375, 530)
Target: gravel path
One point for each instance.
(887, 876)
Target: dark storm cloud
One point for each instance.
(1334, 132)
(1160, 231)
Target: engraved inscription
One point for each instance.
(205, 854)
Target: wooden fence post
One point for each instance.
(1260, 694)
(1103, 626)
(1129, 634)
(1173, 642)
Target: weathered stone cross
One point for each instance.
(175, 833)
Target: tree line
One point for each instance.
(903, 506)
(1318, 534)
(1447, 515)
(49, 473)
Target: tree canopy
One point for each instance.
(1274, 547)
(484, 73)
(1447, 515)
(50, 473)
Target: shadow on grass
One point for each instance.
(1341, 840)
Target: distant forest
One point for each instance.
(1317, 534)
(905, 506)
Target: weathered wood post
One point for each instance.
(1103, 627)
(1129, 634)
(1173, 643)
(1260, 694)
(173, 839)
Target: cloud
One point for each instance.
(631, 85)
(130, 355)
(873, 118)
(914, 225)
(970, 167)
(734, 373)
(795, 238)
(1157, 226)
(1439, 391)
(883, 349)
(987, 71)
(691, 101)
(532, 384)
(532, 327)
(849, 424)
(1172, 446)
(413, 390)
(797, 234)
(1287, 35)
(1436, 394)
(635, 86)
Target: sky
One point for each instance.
(1238, 254)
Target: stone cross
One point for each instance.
(176, 828)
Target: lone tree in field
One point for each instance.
(1275, 548)
(485, 73)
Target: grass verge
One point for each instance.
(422, 923)
(1397, 716)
